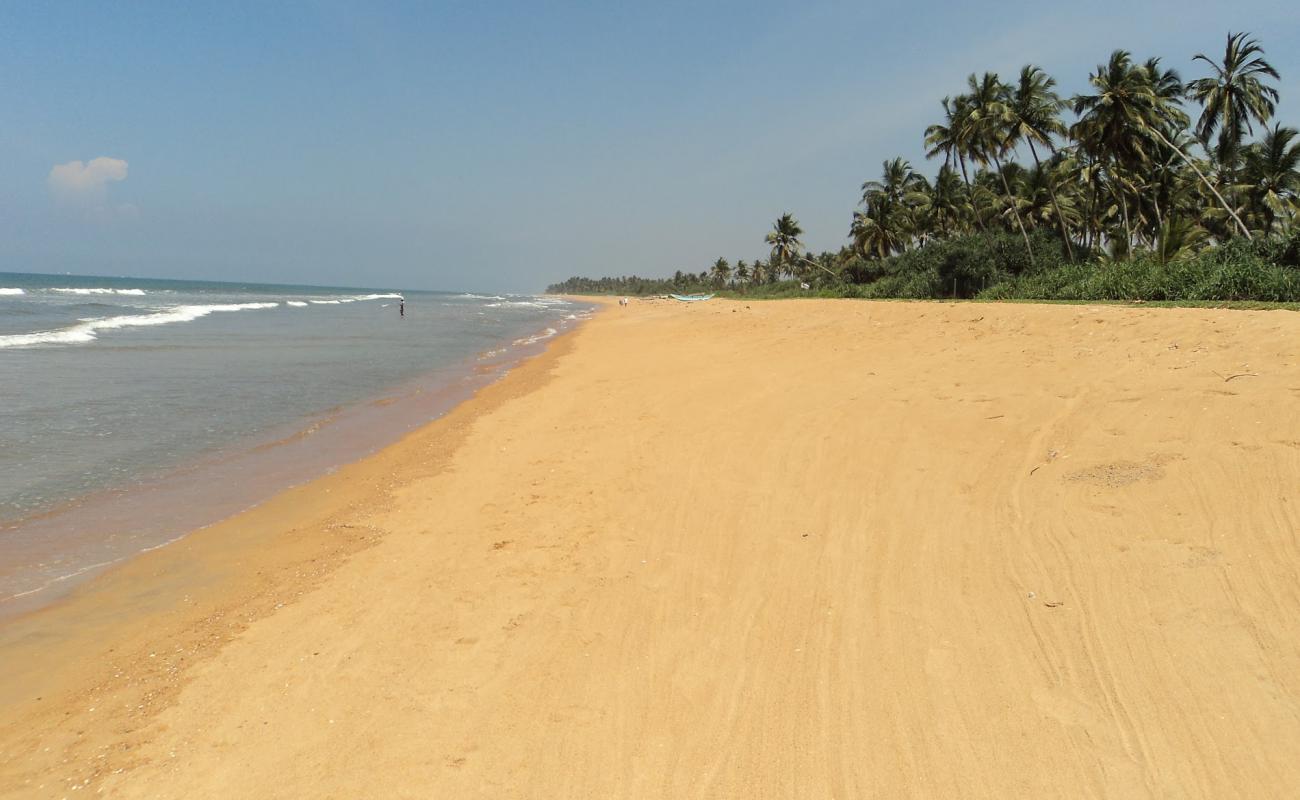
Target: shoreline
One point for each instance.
(839, 549)
(186, 599)
(96, 531)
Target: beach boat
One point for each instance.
(691, 298)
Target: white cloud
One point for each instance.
(84, 185)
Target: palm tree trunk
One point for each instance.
(1051, 189)
(1160, 135)
(1128, 226)
(979, 223)
(1012, 200)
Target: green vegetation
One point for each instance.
(1131, 199)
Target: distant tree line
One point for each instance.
(1125, 196)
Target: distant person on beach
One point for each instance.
(622, 301)
(401, 307)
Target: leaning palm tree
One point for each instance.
(1118, 124)
(1035, 118)
(1234, 96)
(784, 241)
(1271, 174)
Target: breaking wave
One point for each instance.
(88, 330)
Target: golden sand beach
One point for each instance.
(797, 549)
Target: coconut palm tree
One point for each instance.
(875, 234)
(991, 118)
(952, 139)
(886, 224)
(1121, 121)
(1178, 238)
(1039, 204)
(946, 206)
(1035, 118)
(897, 180)
(1271, 175)
(742, 271)
(1234, 96)
(784, 241)
(720, 272)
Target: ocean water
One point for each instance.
(134, 410)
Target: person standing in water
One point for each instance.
(401, 307)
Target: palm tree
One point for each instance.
(946, 206)
(721, 272)
(1234, 96)
(1034, 109)
(886, 223)
(1039, 204)
(952, 139)
(742, 271)
(1178, 238)
(991, 118)
(1272, 177)
(898, 181)
(1119, 123)
(784, 241)
(876, 236)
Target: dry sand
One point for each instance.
(770, 550)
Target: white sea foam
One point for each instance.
(537, 337)
(516, 304)
(325, 302)
(88, 330)
(295, 303)
(469, 296)
(11, 291)
(380, 297)
(98, 290)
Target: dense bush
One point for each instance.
(963, 267)
(1237, 270)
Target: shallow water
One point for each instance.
(132, 410)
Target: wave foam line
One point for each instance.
(5, 291)
(88, 330)
(132, 292)
(535, 338)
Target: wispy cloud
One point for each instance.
(83, 187)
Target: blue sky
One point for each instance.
(473, 145)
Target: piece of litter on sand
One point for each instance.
(1032, 595)
(1054, 604)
